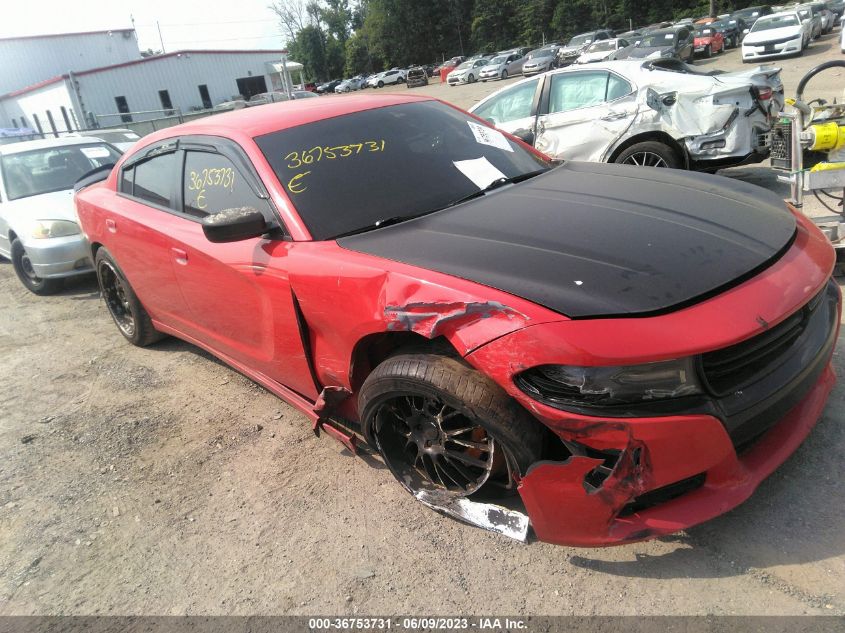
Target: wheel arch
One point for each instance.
(654, 135)
(373, 349)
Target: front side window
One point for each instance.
(53, 169)
(154, 179)
(571, 91)
(212, 184)
(510, 105)
(347, 173)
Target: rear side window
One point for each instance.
(571, 91)
(212, 184)
(154, 179)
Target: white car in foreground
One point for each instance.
(39, 231)
(660, 113)
(776, 35)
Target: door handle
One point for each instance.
(614, 116)
(180, 256)
(111, 225)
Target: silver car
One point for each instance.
(502, 66)
(659, 113)
(39, 230)
(539, 61)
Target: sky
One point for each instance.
(185, 24)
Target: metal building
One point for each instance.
(130, 88)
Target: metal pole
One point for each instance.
(797, 164)
(160, 38)
(286, 78)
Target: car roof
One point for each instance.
(274, 117)
(47, 143)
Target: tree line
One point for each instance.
(336, 38)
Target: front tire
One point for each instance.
(123, 305)
(649, 154)
(504, 75)
(441, 426)
(26, 273)
(380, 84)
(708, 52)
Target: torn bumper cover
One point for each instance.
(688, 456)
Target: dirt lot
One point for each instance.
(158, 481)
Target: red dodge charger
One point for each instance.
(607, 353)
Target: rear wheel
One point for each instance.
(26, 272)
(126, 310)
(444, 427)
(649, 154)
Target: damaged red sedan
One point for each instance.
(610, 353)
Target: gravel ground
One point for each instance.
(159, 481)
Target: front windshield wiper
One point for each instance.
(499, 182)
(396, 219)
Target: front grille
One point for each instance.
(732, 368)
(781, 152)
(771, 43)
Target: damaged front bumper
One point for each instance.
(651, 469)
(672, 473)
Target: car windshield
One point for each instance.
(465, 65)
(751, 12)
(774, 22)
(501, 59)
(347, 173)
(41, 171)
(703, 32)
(604, 45)
(580, 40)
(656, 40)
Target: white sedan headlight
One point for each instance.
(44, 229)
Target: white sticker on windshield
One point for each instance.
(488, 136)
(669, 36)
(479, 170)
(95, 152)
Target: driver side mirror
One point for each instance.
(234, 225)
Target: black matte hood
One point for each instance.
(599, 240)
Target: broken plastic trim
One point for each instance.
(489, 516)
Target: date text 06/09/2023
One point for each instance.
(416, 623)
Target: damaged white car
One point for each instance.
(660, 113)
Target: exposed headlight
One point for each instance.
(563, 385)
(655, 55)
(43, 229)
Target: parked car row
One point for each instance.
(682, 40)
(515, 327)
